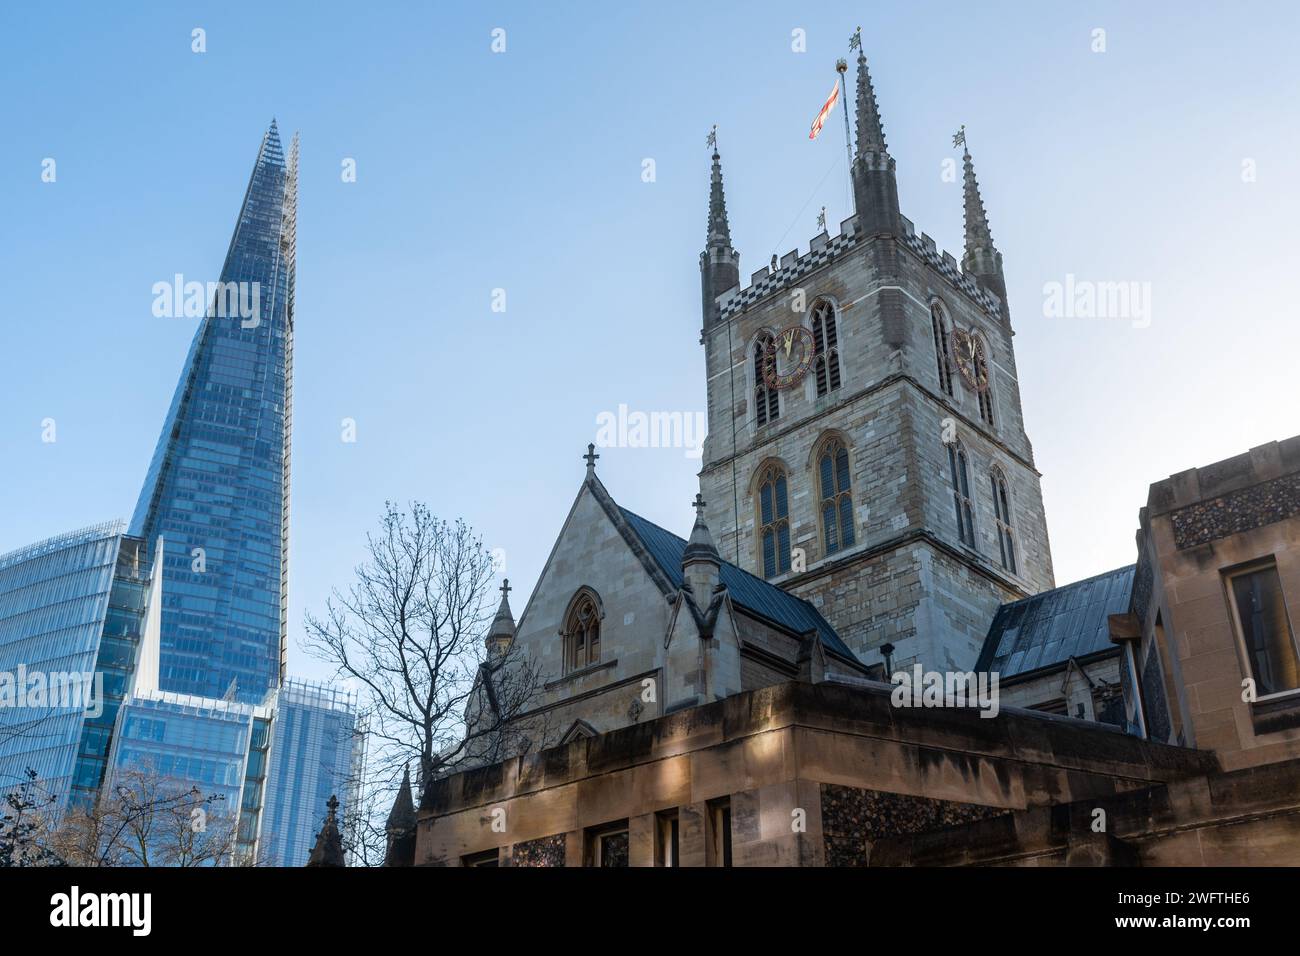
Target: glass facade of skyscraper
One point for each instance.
(274, 765)
(177, 628)
(218, 747)
(73, 610)
(217, 489)
(317, 752)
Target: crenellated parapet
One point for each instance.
(793, 268)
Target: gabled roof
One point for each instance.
(748, 592)
(1046, 630)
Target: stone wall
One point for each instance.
(769, 752)
(545, 851)
(590, 552)
(1248, 817)
(1199, 527)
(854, 819)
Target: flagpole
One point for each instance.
(842, 67)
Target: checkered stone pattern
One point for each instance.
(766, 282)
(946, 265)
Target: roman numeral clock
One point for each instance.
(790, 353)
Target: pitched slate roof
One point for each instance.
(1048, 629)
(747, 591)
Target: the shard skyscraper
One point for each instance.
(217, 490)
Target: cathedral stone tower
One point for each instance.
(866, 448)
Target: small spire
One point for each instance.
(719, 262)
(871, 132)
(591, 457)
(719, 233)
(875, 184)
(502, 632)
(328, 850)
(979, 238)
(402, 816)
(700, 547)
(981, 259)
(400, 827)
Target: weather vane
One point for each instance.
(959, 139)
(855, 41)
(713, 137)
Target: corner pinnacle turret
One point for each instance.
(875, 185)
(719, 262)
(981, 259)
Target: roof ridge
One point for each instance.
(730, 564)
(1062, 587)
(816, 620)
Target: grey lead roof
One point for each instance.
(1048, 629)
(749, 592)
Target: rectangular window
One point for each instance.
(720, 832)
(486, 858)
(608, 846)
(1265, 630)
(666, 839)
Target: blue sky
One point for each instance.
(522, 171)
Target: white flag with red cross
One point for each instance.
(820, 121)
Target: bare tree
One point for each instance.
(24, 823)
(410, 632)
(365, 839)
(145, 819)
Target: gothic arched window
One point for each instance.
(1002, 511)
(942, 357)
(773, 521)
(767, 407)
(961, 494)
(982, 375)
(826, 365)
(582, 631)
(836, 496)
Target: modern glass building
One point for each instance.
(171, 658)
(217, 489)
(317, 751)
(274, 765)
(73, 614)
(217, 746)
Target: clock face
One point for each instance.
(790, 354)
(972, 361)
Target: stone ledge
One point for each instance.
(1014, 736)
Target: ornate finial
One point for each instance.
(713, 138)
(505, 588)
(821, 219)
(959, 139)
(591, 457)
(855, 41)
(332, 804)
(698, 505)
